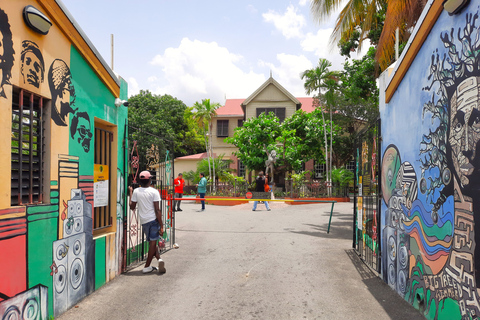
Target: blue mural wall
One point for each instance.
(431, 173)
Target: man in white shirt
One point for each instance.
(148, 200)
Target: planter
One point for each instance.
(338, 199)
(219, 202)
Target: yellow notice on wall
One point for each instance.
(360, 213)
(100, 185)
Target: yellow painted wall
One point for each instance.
(53, 46)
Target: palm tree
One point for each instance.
(362, 15)
(206, 110)
(318, 79)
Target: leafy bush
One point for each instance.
(342, 176)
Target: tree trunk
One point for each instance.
(208, 157)
(213, 159)
(331, 148)
(326, 149)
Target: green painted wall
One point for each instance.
(100, 262)
(42, 232)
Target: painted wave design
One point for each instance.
(434, 240)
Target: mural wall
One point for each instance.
(50, 257)
(431, 173)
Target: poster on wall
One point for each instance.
(100, 185)
(360, 213)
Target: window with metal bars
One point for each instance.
(279, 112)
(319, 169)
(27, 144)
(350, 166)
(241, 168)
(103, 151)
(222, 128)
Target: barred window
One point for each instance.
(27, 148)
(279, 112)
(240, 123)
(222, 128)
(241, 168)
(103, 157)
(319, 169)
(351, 166)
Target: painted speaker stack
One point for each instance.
(30, 304)
(396, 242)
(72, 254)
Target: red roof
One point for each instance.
(233, 107)
(307, 104)
(197, 156)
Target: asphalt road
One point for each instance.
(233, 263)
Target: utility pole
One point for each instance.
(111, 41)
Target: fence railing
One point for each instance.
(292, 190)
(313, 189)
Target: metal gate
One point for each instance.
(366, 234)
(146, 151)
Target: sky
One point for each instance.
(214, 49)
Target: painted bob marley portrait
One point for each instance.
(62, 90)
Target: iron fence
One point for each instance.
(315, 189)
(135, 246)
(366, 222)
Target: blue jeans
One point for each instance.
(202, 195)
(151, 230)
(255, 205)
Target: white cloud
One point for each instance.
(319, 44)
(251, 8)
(290, 23)
(133, 87)
(303, 2)
(197, 70)
(288, 72)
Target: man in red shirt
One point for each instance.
(178, 183)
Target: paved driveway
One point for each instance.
(234, 263)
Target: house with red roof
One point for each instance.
(271, 96)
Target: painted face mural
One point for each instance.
(431, 239)
(465, 132)
(33, 67)
(62, 90)
(6, 52)
(80, 130)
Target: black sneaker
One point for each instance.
(179, 210)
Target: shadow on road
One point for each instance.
(391, 301)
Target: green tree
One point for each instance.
(323, 81)
(296, 140)
(357, 104)
(158, 124)
(253, 137)
(205, 111)
(191, 176)
(300, 139)
(367, 17)
(193, 138)
(221, 167)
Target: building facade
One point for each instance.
(269, 97)
(62, 161)
(430, 165)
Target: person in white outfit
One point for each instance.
(148, 200)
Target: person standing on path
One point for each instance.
(202, 189)
(260, 187)
(148, 200)
(179, 183)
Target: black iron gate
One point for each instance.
(146, 151)
(366, 235)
